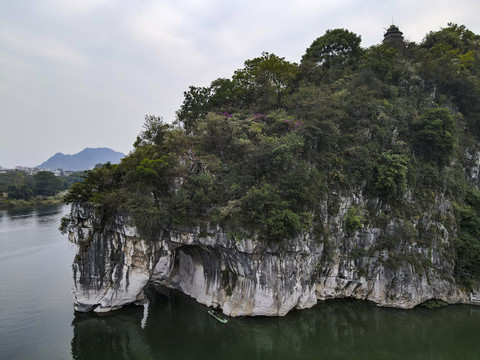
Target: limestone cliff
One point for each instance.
(244, 276)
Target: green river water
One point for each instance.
(37, 319)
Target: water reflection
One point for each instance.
(115, 336)
(16, 213)
(179, 328)
(21, 218)
(17, 218)
(35, 286)
(48, 214)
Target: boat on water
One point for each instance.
(217, 316)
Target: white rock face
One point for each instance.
(237, 283)
(247, 277)
(384, 265)
(111, 268)
(244, 277)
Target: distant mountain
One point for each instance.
(84, 160)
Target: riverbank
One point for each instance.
(36, 201)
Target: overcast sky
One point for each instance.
(84, 73)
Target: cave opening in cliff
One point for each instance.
(201, 272)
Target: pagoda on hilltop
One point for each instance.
(393, 37)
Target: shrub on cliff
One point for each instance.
(434, 135)
(468, 243)
(391, 169)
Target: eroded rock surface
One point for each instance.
(243, 277)
(248, 277)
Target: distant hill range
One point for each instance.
(84, 160)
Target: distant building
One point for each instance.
(27, 170)
(394, 37)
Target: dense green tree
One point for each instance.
(16, 178)
(154, 132)
(263, 83)
(381, 60)
(451, 64)
(19, 185)
(468, 243)
(47, 184)
(74, 177)
(391, 174)
(453, 36)
(195, 106)
(223, 95)
(353, 219)
(263, 208)
(338, 47)
(434, 135)
(19, 192)
(96, 184)
(265, 80)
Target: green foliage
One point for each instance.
(73, 178)
(17, 185)
(47, 184)
(391, 169)
(154, 132)
(195, 106)
(381, 60)
(467, 245)
(263, 208)
(19, 192)
(454, 36)
(358, 252)
(216, 134)
(434, 136)
(97, 183)
(353, 219)
(64, 221)
(450, 64)
(337, 47)
(262, 84)
(192, 203)
(265, 81)
(434, 304)
(153, 173)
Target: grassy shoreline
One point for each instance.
(37, 201)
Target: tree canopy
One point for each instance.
(338, 47)
(18, 185)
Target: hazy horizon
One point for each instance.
(60, 153)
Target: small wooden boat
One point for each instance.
(217, 316)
